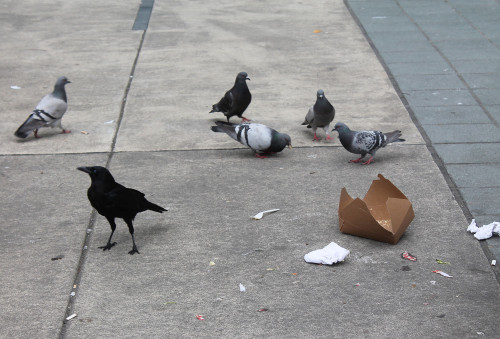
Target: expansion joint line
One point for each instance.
(92, 219)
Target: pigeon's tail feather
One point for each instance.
(225, 127)
(28, 126)
(22, 133)
(156, 208)
(394, 136)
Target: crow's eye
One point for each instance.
(94, 170)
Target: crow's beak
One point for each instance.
(84, 169)
(247, 78)
(68, 82)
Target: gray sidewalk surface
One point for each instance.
(138, 104)
(445, 58)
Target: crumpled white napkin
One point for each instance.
(328, 255)
(485, 231)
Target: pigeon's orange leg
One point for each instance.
(243, 119)
(368, 162)
(315, 137)
(65, 131)
(356, 160)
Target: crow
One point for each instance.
(112, 200)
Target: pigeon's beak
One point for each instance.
(290, 146)
(334, 129)
(84, 169)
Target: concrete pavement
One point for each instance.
(159, 142)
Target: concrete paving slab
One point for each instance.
(43, 44)
(44, 216)
(483, 201)
(468, 153)
(171, 281)
(475, 175)
(430, 82)
(442, 97)
(286, 61)
(488, 96)
(477, 66)
(446, 114)
(465, 133)
(483, 80)
(423, 68)
(494, 110)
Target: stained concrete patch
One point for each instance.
(186, 66)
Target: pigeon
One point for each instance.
(321, 114)
(236, 100)
(363, 142)
(48, 112)
(257, 137)
(113, 200)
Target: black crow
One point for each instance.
(113, 200)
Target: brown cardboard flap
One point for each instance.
(383, 214)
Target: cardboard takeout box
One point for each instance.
(383, 214)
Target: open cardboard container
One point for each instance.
(383, 214)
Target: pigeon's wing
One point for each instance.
(309, 117)
(367, 141)
(33, 122)
(52, 106)
(224, 104)
(255, 136)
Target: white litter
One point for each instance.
(15, 87)
(493, 262)
(485, 231)
(259, 215)
(109, 122)
(328, 255)
(444, 274)
(242, 288)
(72, 294)
(71, 316)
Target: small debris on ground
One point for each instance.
(59, 257)
(242, 288)
(260, 215)
(439, 261)
(442, 273)
(200, 317)
(408, 256)
(71, 316)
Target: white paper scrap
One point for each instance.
(328, 255)
(15, 87)
(242, 288)
(485, 231)
(109, 122)
(71, 316)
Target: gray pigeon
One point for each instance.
(321, 114)
(236, 100)
(363, 142)
(48, 112)
(257, 137)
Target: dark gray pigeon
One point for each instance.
(257, 137)
(321, 114)
(48, 112)
(236, 100)
(365, 142)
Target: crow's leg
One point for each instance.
(131, 230)
(113, 227)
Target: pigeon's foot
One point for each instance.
(243, 119)
(329, 137)
(368, 162)
(65, 131)
(108, 246)
(356, 160)
(36, 134)
(260, 156)
(134, 250)
(315, 137)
